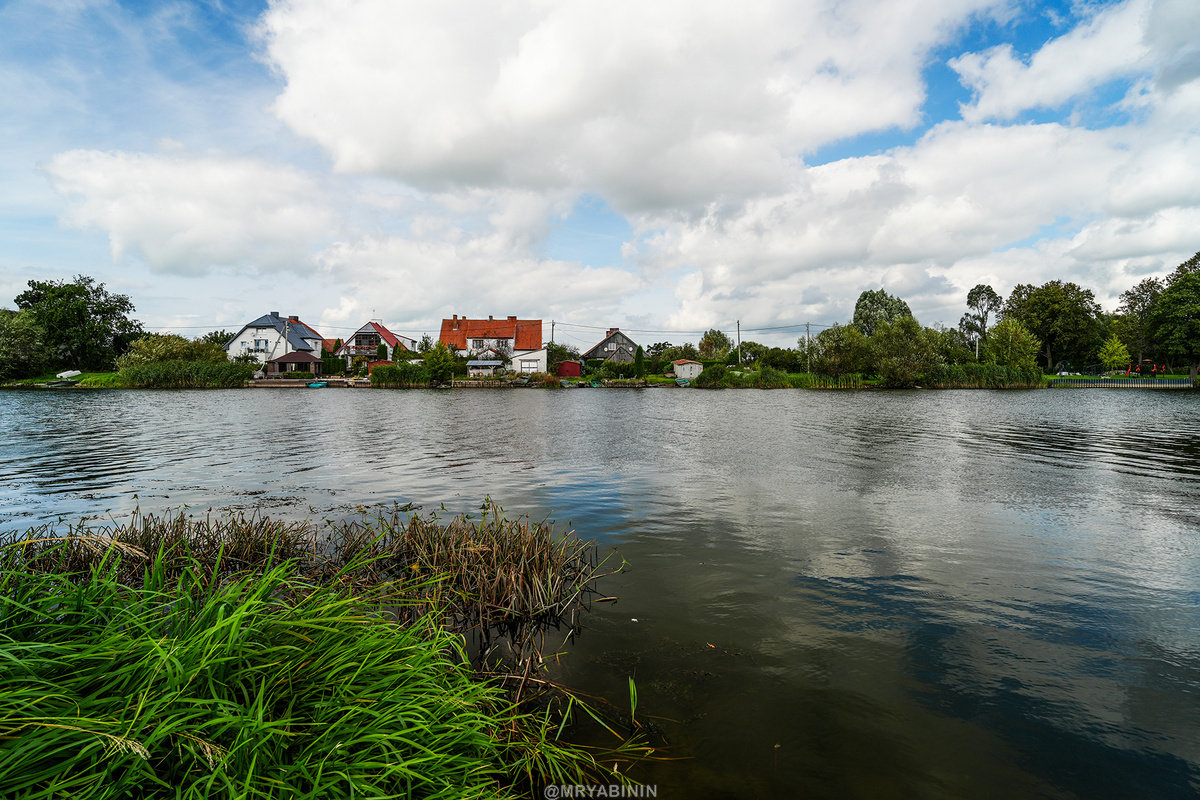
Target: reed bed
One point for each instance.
(185, 657)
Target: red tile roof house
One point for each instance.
(365, 342)
(521, 339)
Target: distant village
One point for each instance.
(286, 344)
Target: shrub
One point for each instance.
(712, 377)
(399, 375)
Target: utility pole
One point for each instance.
(739, 326)
(808, 349)
(551, 331)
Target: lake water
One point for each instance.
(828, 595)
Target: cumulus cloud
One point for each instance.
(186, 215)
(664, 105)
(1120, 41)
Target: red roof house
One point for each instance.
(474, 335)
(365, 342)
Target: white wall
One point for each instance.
(688, 371)
(541, 356)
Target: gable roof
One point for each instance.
(599, 350)
(297, 331)
(299, 357)
(525, 333)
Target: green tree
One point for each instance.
(657, 349)
(1137, 304)
(686, 350)
(155, 348)
(22, 345)
(557, 353)
(1175, 321)
(639, 363)
(219, 337)
(1114, 353)
(714, 344)
(439, 361)
(841, 350)
(426, 343)
(952, 345)
(1064, 316)
(381, 352)
(904, 353)
(1010, 344)
(875, 307)
(983, 302)
(85, 325)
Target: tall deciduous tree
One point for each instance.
(842, 350)
(715, 344)
(86, 326)
(1010, 344)
(22, 345)
(1175, 321)
(221, 337)
(983, 302)
(904, 352)
(1064, 316)
(1136, 305)
(876, 307)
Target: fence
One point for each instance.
(1124, 383)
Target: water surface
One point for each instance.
(836, 594)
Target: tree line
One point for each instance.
(1057, 326)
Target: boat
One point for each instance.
(317, 385)
(683, 382)
(60, 384)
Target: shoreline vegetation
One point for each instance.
(204, 375)
(391, 656)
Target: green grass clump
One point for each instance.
(186, 375)
(259, 687)
(180, 657)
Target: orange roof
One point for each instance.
(525, 333)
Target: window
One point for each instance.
(245, 345)
(260, 345)
(612, 345)
(529, 365)
(477, 344)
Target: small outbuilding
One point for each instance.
(570, 369)
(299, 361)
(688, 369)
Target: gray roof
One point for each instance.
(297, 331)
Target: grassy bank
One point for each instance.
(391, 657)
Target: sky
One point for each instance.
(662, 166)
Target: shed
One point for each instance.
(570, 369)
(688, 369)
(299, 361)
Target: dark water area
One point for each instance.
(946, 594)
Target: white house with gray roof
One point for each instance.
(271, 336)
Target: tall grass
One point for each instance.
(184, 657)
(186, 375)
(984, 376)
(403, 375)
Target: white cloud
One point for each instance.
(188, 214)
(670, 104)
(1121, 41)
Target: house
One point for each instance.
(509, 336)
(271, 336)
(615, 346)
(297, 364)
(366, 340)
(687, 369)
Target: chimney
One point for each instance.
(611, 331)
(294, 318)
(512, 319)
(274, 313)
(489, 317)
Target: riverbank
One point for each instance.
(391, 656)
